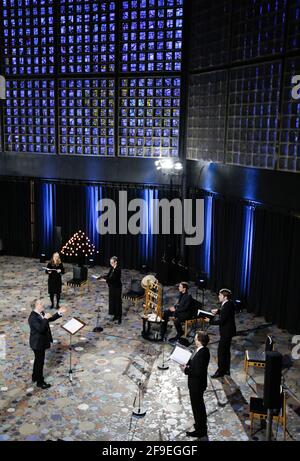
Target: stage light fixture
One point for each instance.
(168, 166)
(238, 305)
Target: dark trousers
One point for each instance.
(199, 410)
(177, 322)
(57, 299)
(224, 355)
(115, 302)
(38, 366)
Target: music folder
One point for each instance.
(181, 355)
(202, 313)
(73, 326)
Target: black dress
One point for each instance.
(113, 280)
(54, 280)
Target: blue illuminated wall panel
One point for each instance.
(149, 117)
(86, 116)
(29, 116)
(258, 28)
(206, 116)
(289, 153)
(151, 37)
(87, 36)
(253, 115)
(28, 36)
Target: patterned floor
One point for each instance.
(108, 367)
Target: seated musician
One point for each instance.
(183, 310)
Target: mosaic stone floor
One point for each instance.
(109, 365)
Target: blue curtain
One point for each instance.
(146, 240)
(93, 195)
(247, 250)
(46, 217)
(208, 201)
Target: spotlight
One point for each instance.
(91, 262)
(238, 305)
(178, 166)
(168, 166)
(201, 283)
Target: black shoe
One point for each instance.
(57, 307)
(119, 321)
(34, 380)
(114, 318)
(44, 385)
(52, 307)
(227, 373)
(217, 375)
(196, 434)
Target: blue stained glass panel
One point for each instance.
(87, 36)
(28, 37)
(143, 120)
(22, 133)
(154, 31)
(91, 106)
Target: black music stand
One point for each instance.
(139, 410)
(72, 327)
(163, 365)
(98, 327)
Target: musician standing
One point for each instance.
(227, 328)
(55, 269)
(196, 369)
(113, 280)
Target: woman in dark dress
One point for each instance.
(55, 269)
(113, 280)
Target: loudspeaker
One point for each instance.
(57, 238)
(79, 273)
(272, 382)
(42, 258)
(136, 286)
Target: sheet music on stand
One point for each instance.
(73, 326)
(181, 355)
(202, 313)
(97, 276)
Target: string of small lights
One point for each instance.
(79, 245)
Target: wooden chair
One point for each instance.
(257, 359)
(189, 323)
(258, 411)
(195, 318)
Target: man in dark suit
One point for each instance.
(180, 312)
(41, 339)
(196, 369)
(226, 322)
(113, 280)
